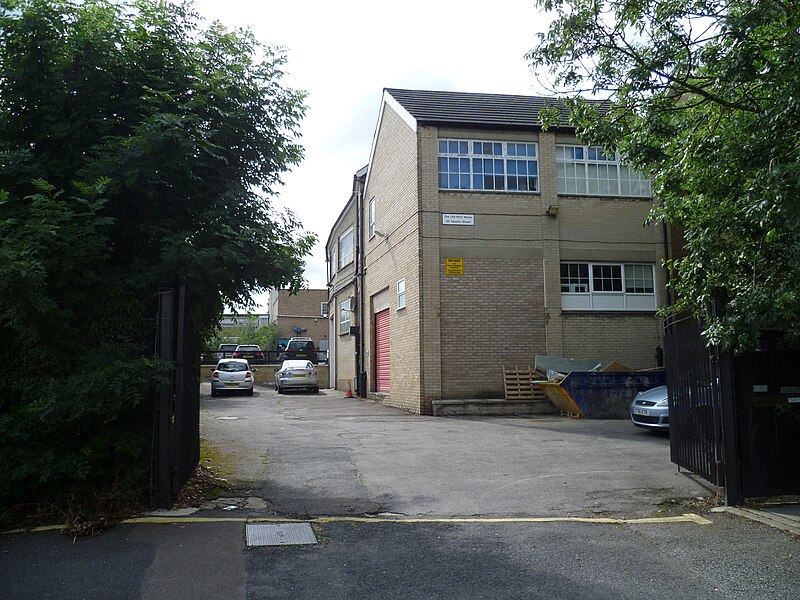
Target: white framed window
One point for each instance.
(344, 316)
(372, 204)
(607, 286)
(401, 293)
(346, 248)
(334, 265)
(488, 165)
(588, 170)
(323, 309)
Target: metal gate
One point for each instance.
(693, 378)
(177, 424)
(382, 352)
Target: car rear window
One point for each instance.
(249, 349)
(232, 367)
(297, 346)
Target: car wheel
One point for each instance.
(214, 391)
(250, 392)
(315, 390)
(278, 389)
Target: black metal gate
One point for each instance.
(695, 424)
(734, 421)
(177, 425)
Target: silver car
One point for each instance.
(232, 375)
(650, 409)
(295, 374)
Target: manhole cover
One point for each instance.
(280, 534)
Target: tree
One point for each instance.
(704, 98)
(137, 150)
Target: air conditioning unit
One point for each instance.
(323, 309)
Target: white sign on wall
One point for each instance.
(457, 219)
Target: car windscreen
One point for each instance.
(232, 367)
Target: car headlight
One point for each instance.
(664, 402)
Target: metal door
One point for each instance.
(382, 352)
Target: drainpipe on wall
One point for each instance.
(358, 194)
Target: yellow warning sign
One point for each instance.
(453, 266)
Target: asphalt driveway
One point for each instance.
(323, 454)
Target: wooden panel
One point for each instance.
(519, 384)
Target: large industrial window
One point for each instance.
(607, 286)
(587, 170)
(488, 165)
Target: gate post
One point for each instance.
(730, 437)
(166, 318)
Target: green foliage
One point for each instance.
(137, 150)
(704, 98)
(265, 336)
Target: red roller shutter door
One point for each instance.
(382, 353)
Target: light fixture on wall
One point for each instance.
(552, 211)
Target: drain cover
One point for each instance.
(280, 534)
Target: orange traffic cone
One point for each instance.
(349, 392)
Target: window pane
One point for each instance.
(607, 278)
(639, 279)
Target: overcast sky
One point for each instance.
(344, 53)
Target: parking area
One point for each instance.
(308, 454)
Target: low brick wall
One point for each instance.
(266, 373)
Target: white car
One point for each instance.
(297, 374)
(232, 375)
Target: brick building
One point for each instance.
(475, 240)
(303, 314)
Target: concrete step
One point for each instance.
(492, 407)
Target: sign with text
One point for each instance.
(453, 266)
(457, 219)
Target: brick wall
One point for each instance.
(492, 316)
(301, 310)
(395, 255)
(628, 338)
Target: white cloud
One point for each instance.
(344, 53)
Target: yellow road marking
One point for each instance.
(686, 518)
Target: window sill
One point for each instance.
(484, 192)
(604, 197)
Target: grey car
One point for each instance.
(649, 409)
(232, 375)
(295, 374)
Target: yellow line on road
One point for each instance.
(686, 518)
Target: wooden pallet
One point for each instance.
(519, 384)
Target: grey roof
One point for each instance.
(484, 110)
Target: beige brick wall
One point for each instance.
(342, 356)
(492, 316)
(300, 310)
(628, 338)
(344, 344)
(448, 341)
(392, 182)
